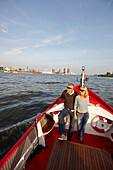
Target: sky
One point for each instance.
(47, 34)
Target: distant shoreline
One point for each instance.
(46, 73)
(102, 75)
(21, 72)
(108, 74)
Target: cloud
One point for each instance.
(34, 32)
(14, 22)
(4, 28)
(56, 40)
(110, 2)
(12, 52)
(11, 41)
(22, 12)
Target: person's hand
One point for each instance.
(97, 105)
(54, 105)
(75, 117)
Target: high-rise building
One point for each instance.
(68, 70)
(53, 71)
(65, 70)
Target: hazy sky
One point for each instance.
(46, 34)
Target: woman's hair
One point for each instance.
(86, 91)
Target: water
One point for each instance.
(24, 96)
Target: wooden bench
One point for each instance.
(73, 156)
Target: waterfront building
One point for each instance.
(53, 71)
(65, 70)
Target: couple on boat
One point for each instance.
(77, 107)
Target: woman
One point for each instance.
(81, 111)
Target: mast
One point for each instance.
(82, 76)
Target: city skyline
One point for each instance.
(65, 70)
(45, 35)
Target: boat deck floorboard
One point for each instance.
(69, 155)
(41, 158)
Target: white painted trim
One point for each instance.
(41, 135)
(20, 165)
(100, 112)
(59, 107)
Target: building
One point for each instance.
(65, 70)
(53, 71)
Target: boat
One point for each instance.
(39, 148)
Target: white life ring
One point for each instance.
(101, 124)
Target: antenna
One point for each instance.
(82, 76)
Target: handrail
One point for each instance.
(19, 153)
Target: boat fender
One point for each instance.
(101, 124)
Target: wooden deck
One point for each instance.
(40, 159)
(73, 156)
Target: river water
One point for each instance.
(24, 96)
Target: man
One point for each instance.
(69, 99)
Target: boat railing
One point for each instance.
(17, 156)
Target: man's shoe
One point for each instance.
(63, 137)
(82, 142)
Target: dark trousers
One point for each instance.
(62, 131)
